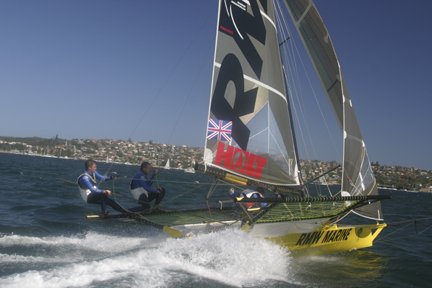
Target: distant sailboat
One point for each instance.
(167, 165)
(251, 141)
(189, 170)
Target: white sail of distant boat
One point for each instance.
(251, 140)
(190, 169)
(167, 165)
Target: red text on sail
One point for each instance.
(240, 161)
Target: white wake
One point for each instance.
(229, 257)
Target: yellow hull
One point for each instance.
(330, 239)
(324, 240)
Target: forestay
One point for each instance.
(357, 178)
(249, 128)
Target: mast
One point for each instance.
(294, 134)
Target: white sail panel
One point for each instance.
(249, 129)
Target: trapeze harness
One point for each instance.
(84, 191)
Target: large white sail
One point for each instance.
(249, 127)
(357, 178)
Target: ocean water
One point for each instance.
(45, 240)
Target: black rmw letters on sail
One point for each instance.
(241, 25)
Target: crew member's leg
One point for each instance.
(152, 196)
(160, 196)
(97, 198)
(113, 204)
(144, 201)
(103, 200)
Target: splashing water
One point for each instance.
(229, 257)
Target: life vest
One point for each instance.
(84, 191)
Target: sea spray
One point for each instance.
(90, 240)
(231, 256)
(228, 257)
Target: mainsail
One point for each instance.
(357, 178)
(249, 128)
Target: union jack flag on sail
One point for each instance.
(220, 129)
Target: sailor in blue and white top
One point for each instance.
(87, 184)
(142, 188)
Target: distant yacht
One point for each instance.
(189, 170)
(167, 165)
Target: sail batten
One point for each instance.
(259, 83)
(268, 19)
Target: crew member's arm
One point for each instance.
(86, 183)
(102, 178)
(153, 175)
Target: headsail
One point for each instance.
(358, 178)
(249, 130)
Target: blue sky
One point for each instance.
(142, 69)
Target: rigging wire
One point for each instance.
(187, 99)
(197, 184)
(294, 90)
(407, 223)
(295, 50)
(142, 217)
(290, 90)
(314, 93)
(185, 102)
(291, 55)
(170, 74)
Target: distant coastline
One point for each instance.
(132, 153)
